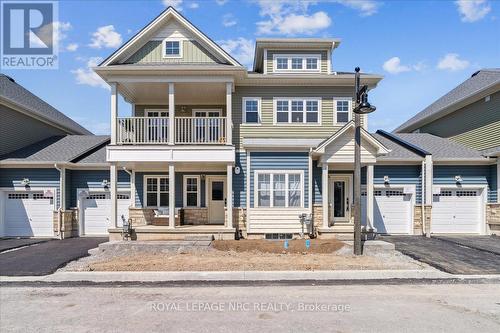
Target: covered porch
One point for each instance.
(176, 200)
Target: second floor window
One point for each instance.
(297, 110)
(282, 63)
(342, 111)
(297, 63)
(172, 48)
(251, 110)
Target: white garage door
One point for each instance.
(456, 211)
(28, 214)
(392, 211)
(97, 211)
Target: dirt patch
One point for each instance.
(266, 246)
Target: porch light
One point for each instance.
(458, 179)
(387, 180)
(25, 182)
(105, 183)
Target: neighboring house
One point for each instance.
(23, 112)
(213, 149)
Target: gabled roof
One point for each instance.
(440, 148)
(483, 82)
(365, 136)
(397, 151)
(495, 151)
(56, 149)
(17, 97)
(142, 36)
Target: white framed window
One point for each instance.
(297, 110)
(156, 191)
(278, 188)
(156, 113)
(251, 110)
(191, 191)
(342, 110)
(172, 48)
(207, 113)
(296, 62)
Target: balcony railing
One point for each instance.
(155, 130)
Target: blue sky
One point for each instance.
(423, 48)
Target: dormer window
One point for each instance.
(296, 63)
(172, 48)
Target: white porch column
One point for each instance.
(229, 196)
(132, 189)
(171, 192)
(428, 179)
(229, 116)
(114, 202)
(62, 188)
(171, 114)
(324, 192)
(498, 179)
(114, 111)
(369, 197)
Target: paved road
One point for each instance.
(13, 243)
(361, 308)
(447, 256)
(45, 258)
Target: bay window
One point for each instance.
(297, 110)
(279, 189)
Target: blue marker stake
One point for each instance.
(308, 243)
(286, 245)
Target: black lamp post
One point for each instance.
(361, 107)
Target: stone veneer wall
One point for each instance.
(493, 217)
(195, 216)
(317, 216)
(141, 216)
(417, 220)
(69, 223)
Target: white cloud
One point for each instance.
(240, 48)
(472, 10)
(366, 7)
(193, 5)
(177, 4)
(57, 28)
(105, 36)
(221, 2)
(88, 77)
(452, 62)
(229, 20)
(72, 47)
(394, 66)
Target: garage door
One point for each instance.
(392, 211)
(28, 214)
(456, 211)
(97, 211)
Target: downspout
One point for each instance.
(127, 171)
(422, 198)
(59, 210)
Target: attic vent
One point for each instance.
(474, 74)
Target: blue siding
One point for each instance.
(239, 181)
(47, 177)
(179, 186)
(89, 179)
(280, 161)
(400, 174)
(471, 175)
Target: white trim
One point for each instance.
(304, 58)
(198, 190)
(208, 186)
(145, 191)
(349, 115)
(310, 184)
(304, 111)
(498, 179)
(348, 179)
(164, 49)
(248, 180)
(329, 60)
(483, 203)
(244, 111)
(264, 62)
(193, 111)
(271, 189)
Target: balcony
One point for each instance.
(156, 131)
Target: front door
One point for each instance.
(216, 199)
(340, 198)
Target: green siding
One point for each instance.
(477, 125)
(324, 58)
(267, 130)
(192, 52)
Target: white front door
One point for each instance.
(28, 214)
(340, 198)
(97, 212)
(216, 199)
(457, 211)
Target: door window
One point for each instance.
(217, 190)
(339, 199)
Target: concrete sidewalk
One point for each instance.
(340, 275)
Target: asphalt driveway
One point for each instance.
(451, 256)
(14, 243)
(46, 257)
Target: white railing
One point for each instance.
(155, 130)
(139, 130)
(197, 130)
